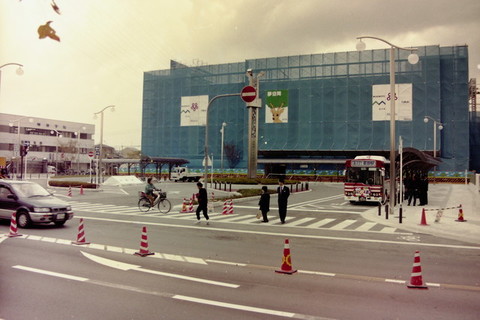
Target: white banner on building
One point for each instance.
(193, 111)
(381, 102)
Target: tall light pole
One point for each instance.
(440, 127)
(413, 59)
(57, 133)
(99, 169)
(205, 178)
(19, 69)
(222, 130)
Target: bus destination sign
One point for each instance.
(364, 163)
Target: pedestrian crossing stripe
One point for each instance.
(292, 221)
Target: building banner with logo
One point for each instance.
(381, 102)
(193, 111)
(276, 108)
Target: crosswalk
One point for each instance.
(293, 220)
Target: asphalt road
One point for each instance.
(226, 269)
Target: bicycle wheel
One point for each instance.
(144, 204)
(164, 206)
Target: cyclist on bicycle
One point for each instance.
(149, 188)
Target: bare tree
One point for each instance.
(233, 154)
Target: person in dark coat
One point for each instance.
(202, 199)
(283, 194)
(264, 203)
(423, 191)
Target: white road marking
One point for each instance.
(126, 266)
(51, 273)
(282, 234)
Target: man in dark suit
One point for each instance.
(202, 198)
(283, 193)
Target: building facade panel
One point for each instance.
(330, 109)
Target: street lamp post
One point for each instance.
(413, 59)
(440, 127)
(205, 178)
(99, 169)
(57, 133)
(19, 69)
(222, 130)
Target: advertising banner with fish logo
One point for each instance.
(381, 102)
(193, 111)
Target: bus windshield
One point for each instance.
(369, 176)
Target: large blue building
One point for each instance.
(317, 109)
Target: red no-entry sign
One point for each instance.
(248, 94)
(90, 154)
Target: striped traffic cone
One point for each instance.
(80, 234)
(144, 245)
(190, 207)
(230, 210)
(416, 281)
(460, 215)
(225, 207)
(13, 226)
(69, 191)
(184, 206)
(81, 190)
(286, 260)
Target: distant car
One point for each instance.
(32, 203)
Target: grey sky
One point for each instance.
(107, 45)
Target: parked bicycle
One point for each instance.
(163, 204)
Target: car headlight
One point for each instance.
(41, 209)
(69, 208)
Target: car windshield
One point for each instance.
(30, 190)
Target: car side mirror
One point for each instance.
(12, 196)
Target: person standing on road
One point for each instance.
(202, 198)
(264, 203)
(283, 193)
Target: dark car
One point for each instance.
(32, 203)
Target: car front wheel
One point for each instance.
(23, 220)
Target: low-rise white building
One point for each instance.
(62, 144)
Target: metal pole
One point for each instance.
(222, 146)
(392, 131)
(100, 155)
(205, 177)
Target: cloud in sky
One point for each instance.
(106, 45)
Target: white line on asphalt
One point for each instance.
(51, 273)
(126, 266)
(283, 234)
(246, 308)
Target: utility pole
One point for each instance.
(253, 107)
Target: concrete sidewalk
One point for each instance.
(440, 196)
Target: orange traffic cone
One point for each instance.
(286, 260)
(190, 207)
(416, 281)
(225, 207)
(460, 215)
(13, 226)
(81, 234)
(424, 219)
(144, 245)
(184, 205)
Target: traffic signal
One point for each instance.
(23, 150)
